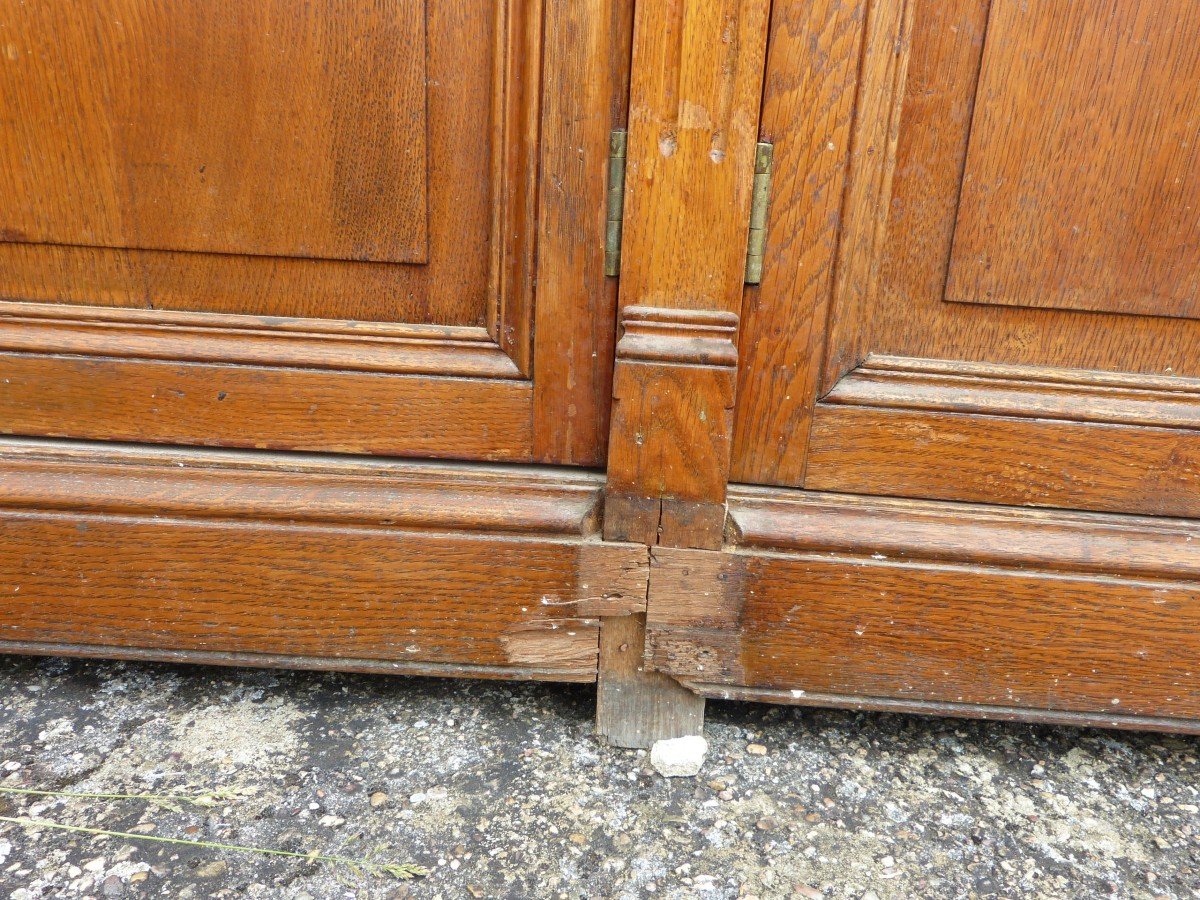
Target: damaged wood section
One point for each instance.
(418, 568)
(935, 607)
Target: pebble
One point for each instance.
(679, 757)
(756, 749)
(378, 799)
(214, 869)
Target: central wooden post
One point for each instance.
(693, 113)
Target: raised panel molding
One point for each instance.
(1021, 435)
(1082, 177)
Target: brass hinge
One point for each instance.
(760, 199)
(616, 202)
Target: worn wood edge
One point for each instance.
(202, 483)
(311, 663)
(787, 520)
(1020, 391)
(449, 350)
(932, 708)
(636, 706)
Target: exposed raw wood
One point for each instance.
(586, 80)
(635, 706)
(668, 455)
(945, 613)
(169, 552)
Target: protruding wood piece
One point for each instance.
(636, 707)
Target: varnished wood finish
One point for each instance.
(809, 94)
(587, 51)
(1011, 434)
(172, 402)
(312, 141)
(126, 340)
(399, 567)
(1115, 82)
(693, 110)
(915, 118)
(668, 455)
(953, 606)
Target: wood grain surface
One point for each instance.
(952, 605)
(1119, 230)
(479, 571)
(248, 128)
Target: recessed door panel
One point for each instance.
(1082, 181)
(249, 128)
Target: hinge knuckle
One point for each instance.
(760, 201)
(616, 202)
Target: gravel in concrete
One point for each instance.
(501, 791)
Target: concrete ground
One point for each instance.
(501, 791)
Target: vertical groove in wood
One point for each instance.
(585, 89)
(810, 91)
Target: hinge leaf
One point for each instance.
(760, 201)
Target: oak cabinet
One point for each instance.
(260, 271)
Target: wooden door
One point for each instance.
(268, 225)
(969, 383)
(984, 280)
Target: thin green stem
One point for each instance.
(402, 870)
(197, 799)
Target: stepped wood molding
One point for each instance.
(672, 421)
(320, 562)
(1022, 435)
(935, 607)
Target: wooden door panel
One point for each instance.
(327, 213)
(983, 134)
(1082, 181)
(333, 172)
(235, 127)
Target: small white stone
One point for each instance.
(679, 757)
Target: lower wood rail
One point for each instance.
(310, 561)
(946, 608)
(289, 560)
